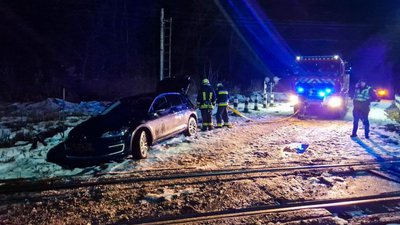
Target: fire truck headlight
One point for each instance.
(335, 101)
(294, 99)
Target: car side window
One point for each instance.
(160, 104)
(185, 101)
(174, 99)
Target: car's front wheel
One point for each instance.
(140, 145)
(191, 127)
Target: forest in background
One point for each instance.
(106, 49)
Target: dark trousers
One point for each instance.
(222, 114)
(206, 115)
(363, 116)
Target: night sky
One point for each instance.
(108, 49)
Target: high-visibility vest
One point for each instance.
(362, 95)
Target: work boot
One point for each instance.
(210, 127)
(204, 128)
(366, 136)
(228, 125)
(219, 125)
(353, 135)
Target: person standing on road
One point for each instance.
(363, 96)
(222, 103)
(206, 101)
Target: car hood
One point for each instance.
(96, 126)
(174, 84)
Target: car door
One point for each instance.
(159, 111)
(177, 120)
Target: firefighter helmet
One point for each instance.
(206, 81)
(220, 84)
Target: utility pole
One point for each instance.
(165, 46)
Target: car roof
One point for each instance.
(150, 95)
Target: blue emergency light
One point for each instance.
(328, 90)
(300, 90)
(321, 93)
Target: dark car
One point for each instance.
(131, 125)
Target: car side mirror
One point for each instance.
(160, 111)
(153, 114)
(156, 113)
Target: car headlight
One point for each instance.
(114, 133)
(294, 99)
(335, 101)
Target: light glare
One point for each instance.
(294, 99)
(335, 102)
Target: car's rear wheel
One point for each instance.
(191, 127)
(140, 145)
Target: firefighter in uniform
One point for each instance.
(206, 101)
(222, 103)
(363, 95)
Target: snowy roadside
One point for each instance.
(21, 123)
(262, 143)
(273, 144)
(248, 143)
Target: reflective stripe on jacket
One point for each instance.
(222, 98)
(206, 97)
(362, 95)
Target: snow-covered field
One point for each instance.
(270, 139)
(44, 124)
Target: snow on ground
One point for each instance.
(273, 139)
(252, 143)
(22, 123)
(269, 140)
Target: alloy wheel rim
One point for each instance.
(192, 126)
(143, 143)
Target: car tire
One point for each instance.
(140, 145)
(296, 108)
(299, 110)
(191, 127)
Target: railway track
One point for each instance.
(332, 204)
(11, 187)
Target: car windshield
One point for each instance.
(319, 68)
(128, 106)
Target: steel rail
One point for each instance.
(38, 186)
(254, 211)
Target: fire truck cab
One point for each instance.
(321, 84)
